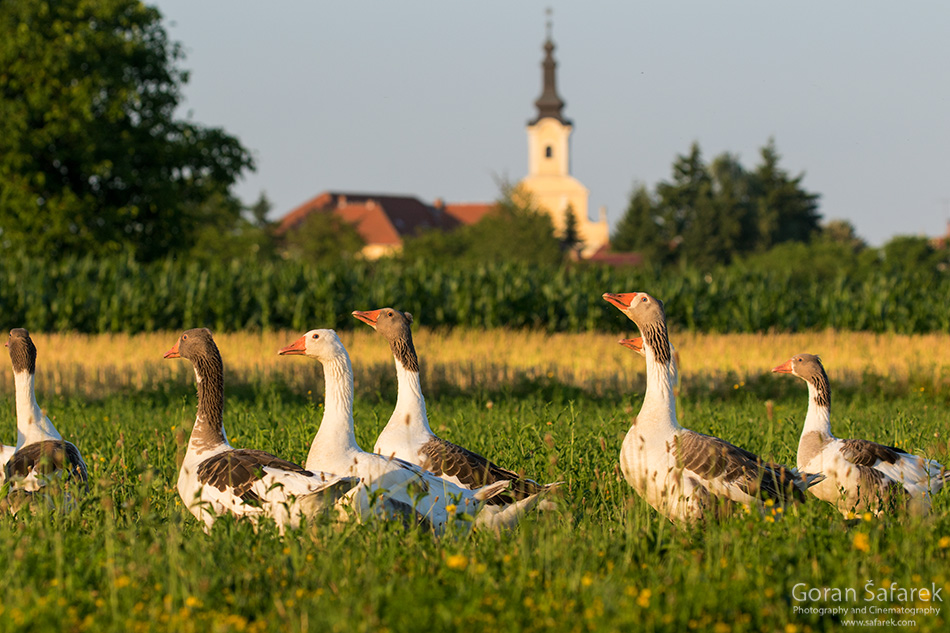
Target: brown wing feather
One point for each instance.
(711, 458)
(46, 458)
(475, 471)
(865, 453)
(240, 470)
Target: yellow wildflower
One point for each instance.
(644, 598)
(861, 542)
(456, 561)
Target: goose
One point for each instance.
(409, 437)
(41, 453)
(687, 476)
(860, 475)
(436, 500)
(6, 452)
(216, 478)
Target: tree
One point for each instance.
(92, 159)
(221, 237)
(786, 212)
(842, 232)
(323, 238)
(706, 227)
(570, 238)
(517, 231)
(910, 252)
(706, 215)
(642, 229)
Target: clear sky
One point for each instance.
(432, 98)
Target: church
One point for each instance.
(383, 221)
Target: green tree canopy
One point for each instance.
(323, 238)
(516, 231)
(706, 214)
(92, 158)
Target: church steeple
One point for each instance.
(549, 104)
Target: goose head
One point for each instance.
(389, 322)
(193, 344)
(808, 367)
(22, 351)
(636, 344)
(324, 345)
(639, 307)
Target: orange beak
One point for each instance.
(636, 344)
(622, 300)
(369, 318)
(297, 348)
(173, 352)
(784, 368)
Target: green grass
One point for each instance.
(131, 558)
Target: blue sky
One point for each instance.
(432, 98)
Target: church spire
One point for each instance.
(549, 104)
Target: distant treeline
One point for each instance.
(118, 294)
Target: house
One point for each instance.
(383, 221)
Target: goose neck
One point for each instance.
(32, 424)
(659, 401)
(409, 399)
(209, 423)
(818, 417)
(336, 430)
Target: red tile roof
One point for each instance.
(371, 222)
(386, 219)
(469, 212)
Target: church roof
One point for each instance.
(549, 104)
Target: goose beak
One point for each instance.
(636, 344)
(368, 318)
(622, 301)
(784, 368)
(173, 352)
(297, 348)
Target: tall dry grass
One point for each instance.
(102, 364)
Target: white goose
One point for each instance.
(393, 480)
(216, 478)
(41, 453)
(860, 475)
(408, 436)
(685, 475)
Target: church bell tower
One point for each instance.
(549, 181)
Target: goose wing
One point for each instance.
(731, 471)
(257, 476)
(446, 459)
(46, 458)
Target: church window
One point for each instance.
(548, 152)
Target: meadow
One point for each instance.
(555, 406)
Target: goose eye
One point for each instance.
(184, 337)
(644, 299)
(390, 314)
(315, 336)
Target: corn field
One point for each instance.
(121, 295)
